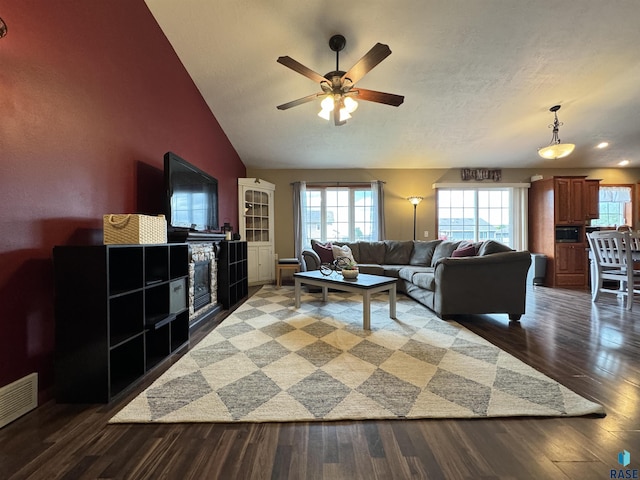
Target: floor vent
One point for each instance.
(18, 398)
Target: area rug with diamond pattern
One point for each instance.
(268, 362)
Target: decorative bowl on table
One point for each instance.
(350, 273)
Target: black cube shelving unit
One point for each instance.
(233, 283)
(114, 317)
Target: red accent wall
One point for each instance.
(91, 97)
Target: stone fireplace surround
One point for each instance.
(202, 252)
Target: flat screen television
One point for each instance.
(191, 196)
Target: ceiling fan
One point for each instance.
(338, 87)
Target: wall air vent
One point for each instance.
(18, 398)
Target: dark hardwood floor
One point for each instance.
(592, 349)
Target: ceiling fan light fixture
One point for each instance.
(556, 149)
(350, 104)
(345, 107)
(337, 85)
(344, 115)
(327, 106)
(328, 103)
(325, 114)
(345, 104)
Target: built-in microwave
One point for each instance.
(568, 234)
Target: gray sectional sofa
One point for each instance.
(491, 279)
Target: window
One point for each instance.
(340, 214)
(477, 214)
(615, 206)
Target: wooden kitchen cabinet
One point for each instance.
(592, 202)
(571, 264)
(570, 205)
(554, 203)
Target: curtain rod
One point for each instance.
(339, 184)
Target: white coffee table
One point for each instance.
(365, 284)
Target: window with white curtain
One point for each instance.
(615, 206)
(478, 213)
(340, 213)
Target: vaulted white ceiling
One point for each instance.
(478, 76)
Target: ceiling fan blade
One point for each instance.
(372, 58)
(299, 101)
(378, 97)
(301, 69)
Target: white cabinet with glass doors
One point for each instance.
(255, 197)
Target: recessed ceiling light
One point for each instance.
(602, 145)
(624, 163)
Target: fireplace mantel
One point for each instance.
(189, 236)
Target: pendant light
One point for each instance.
(556, 148)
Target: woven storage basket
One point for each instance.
(134, 229)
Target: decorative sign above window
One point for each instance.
(481, 174)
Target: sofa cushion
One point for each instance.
(392, 270)
(423, 252)
(323, 250)
(371, 268)
(371, 252)
(343, 251)
(491, 246)
(464, 251)
(425, 280)
(407, 273)
(443, 250)
(397, 252)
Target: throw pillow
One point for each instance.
(343, 251)
(324, 251)
(466, 251)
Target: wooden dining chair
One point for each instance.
(612, 254)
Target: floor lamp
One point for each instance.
(414, 201)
